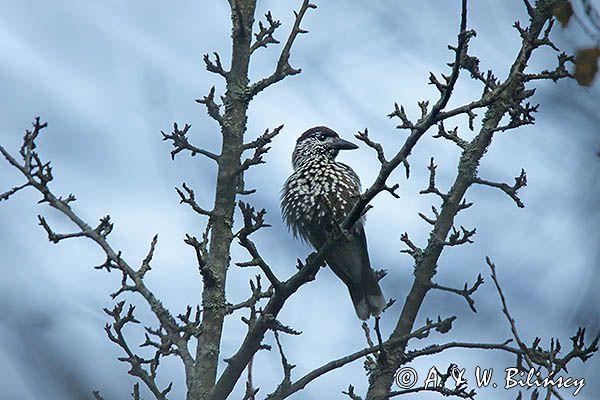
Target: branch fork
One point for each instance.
(465, 292)
(264, 36)
(511, 191)
(432, 188)
(215, 66)
(181, 142)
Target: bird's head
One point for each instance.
(319, 143)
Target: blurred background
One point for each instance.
(109, 76)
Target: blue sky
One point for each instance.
(109, 76)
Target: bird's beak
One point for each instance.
(341, 144)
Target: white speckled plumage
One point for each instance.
(319, 193)
(316, 188)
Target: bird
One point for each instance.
(319, 194)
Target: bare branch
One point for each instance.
(451, 135)
(578, 350)
(558, 73)
(457, 238)
(32, 166)
(241, 190)
(432, 188)
(253, 221)
(369, 364)
(251, 392)
(284, 68)
(505, 311)
(467, 109)
(441, 87)
(423, 106)
(392, 190)
(427, 219)
(413, 250)
(364, 137)
(406, 167)
(146, 263)
(382, 357)
(441, 326)
(180, 143)
(190, 199)
(465, 292)
(438, 348)
(38, 175)
(201, 249)
(511, 191)
(535, 355)
(8, 193)
(135, 395)
(431, 221)
(401, 114)
(115, 334)
(519, 115)
(191, 326)
(263, 139)
(365, 328)
(276, 326)
(285, 365)
(529, 7)
(257, 295)
(350, 393)
(264, 36)
(260, 148)
(464, 205)
(211, 107)
(215, 66)
(57, 237)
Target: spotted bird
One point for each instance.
(319, 194)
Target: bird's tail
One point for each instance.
(366, 296)
(350, 262)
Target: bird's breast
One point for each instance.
(314, 197)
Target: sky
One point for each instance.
(109, 76)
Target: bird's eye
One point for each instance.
(321, 137)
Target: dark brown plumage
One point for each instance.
(320, 192)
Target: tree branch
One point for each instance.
(38, 176)
(260, 148)
(216, 66)
(8, 193)
(254, 221)
(511, 191)
(115, 334)
(256, 296)
(181, 143)
(211, 107)
(264, 36)
(190, 199)
(465, 292)
(432, 188)
(451, 135)
(284, 68)
(364, 137)
(441, 326)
